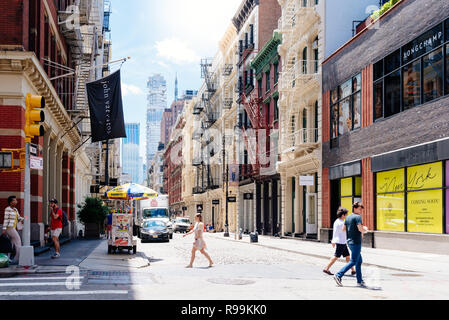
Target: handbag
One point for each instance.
(5, 244)
(19, 226)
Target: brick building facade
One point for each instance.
(385, 125)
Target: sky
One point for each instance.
(168, 37)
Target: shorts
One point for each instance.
(56, 233)
(109, 227)
(342, 251)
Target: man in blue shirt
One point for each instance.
(354, 231)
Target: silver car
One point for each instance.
(181, 225)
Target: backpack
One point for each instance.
(65, 221)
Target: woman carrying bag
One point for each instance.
(10, 223)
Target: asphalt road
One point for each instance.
(242, 271)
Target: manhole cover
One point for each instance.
(232, 282)
(406, 275)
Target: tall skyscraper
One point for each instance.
(157, 103)
(131, 160)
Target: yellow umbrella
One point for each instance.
(130, 191)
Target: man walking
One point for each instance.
(56, 226)
(354, 230)
(11, 218)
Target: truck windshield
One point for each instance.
(155, 213)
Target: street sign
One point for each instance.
(307, 181)
(215, 202)
(33, 150)
(232, 199)
(36, 163)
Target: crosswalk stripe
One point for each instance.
(40, 279)
(38, 284)
(64, 293)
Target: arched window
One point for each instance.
(315, 54)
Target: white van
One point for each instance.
(154, 209)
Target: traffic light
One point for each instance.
(33, 117)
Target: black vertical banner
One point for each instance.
(106, 108)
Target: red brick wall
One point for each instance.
(325, 125)
(269, 14)
(368, 194)
(11, 22)
(367, 96)
(326, 199)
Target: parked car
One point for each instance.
(154, 230)
(181, 225)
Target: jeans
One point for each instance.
(356, 260)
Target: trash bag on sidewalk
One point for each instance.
(5, 244)
(4, 261)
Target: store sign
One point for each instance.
(184, 208)
(199, 208)
(232, 199)
(391, 181)
(215, 202)
(425, 211)
(428, 176)
(425, 43)
(307, 181)
(248, 196)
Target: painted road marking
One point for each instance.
(32, 279)
(38, 284)
(64, 293)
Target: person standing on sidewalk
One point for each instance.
(354, 230)
(199, 243)
(56, 226)
(339, 241)
(12, 217)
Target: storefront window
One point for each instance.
(447, 197)
(420, 196)
(390, 200)
(412, 84)
(392, 62)
(433, 75)
(392, 94)
(357, 106)
(350, 192)
(425, 206)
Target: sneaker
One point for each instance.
(361, 284)
(338, 281)
(328, 272)
(353, 273)
(55, 256)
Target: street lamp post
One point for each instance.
(227, 200)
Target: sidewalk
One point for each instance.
(387, 259)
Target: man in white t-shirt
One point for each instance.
(339, 241)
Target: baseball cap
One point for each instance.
(53, 201)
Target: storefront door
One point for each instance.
(312, 213)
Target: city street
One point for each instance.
(242, 271)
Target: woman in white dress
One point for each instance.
(199, 243)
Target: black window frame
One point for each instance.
(351, 105)
(444, 46)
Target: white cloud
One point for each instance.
(129, 89)
(176, 51)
